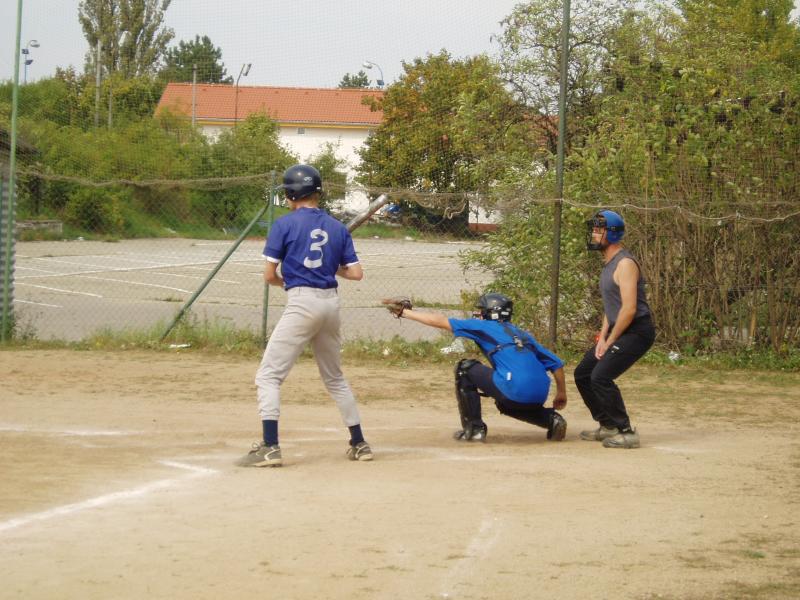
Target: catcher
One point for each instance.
(517, 378)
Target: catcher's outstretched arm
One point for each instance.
(428, 318)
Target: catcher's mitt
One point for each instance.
(397, 305)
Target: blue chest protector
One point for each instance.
(520, 363)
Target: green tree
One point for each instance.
(252, 148)
(530, 58)
(696, 109)
(762, 25)
(334, 178)
(710, 123)
(449, 129)
(359, 80)
(443, 121)
(179, 62)
(132, 34)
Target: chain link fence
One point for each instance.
(70, 288)
(133, 181)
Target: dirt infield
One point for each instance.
(117, 482)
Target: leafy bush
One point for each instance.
(96, 210)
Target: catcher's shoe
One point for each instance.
(477, 434)
(558, 428)
(360, 451)
(262, 455)
(599, 434)
(624, 439)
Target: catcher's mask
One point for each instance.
(300, 181)
(495, 307)
(612, 225)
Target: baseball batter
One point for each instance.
(311, 248)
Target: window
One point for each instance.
(301, 131)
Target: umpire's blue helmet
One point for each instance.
(610, 221)
(300, 181)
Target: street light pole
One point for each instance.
(368, 64)
(27, 51)
(242, 72)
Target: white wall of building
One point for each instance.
(307, 142)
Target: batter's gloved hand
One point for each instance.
(397, 305)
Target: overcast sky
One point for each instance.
(304, 43)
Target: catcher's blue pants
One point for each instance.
(479, 379)
(595, 378)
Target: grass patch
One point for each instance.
(219, 335)
(753, 554)
(381, 230)
(400, 352)
(749, 359)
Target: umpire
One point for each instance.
(626, 335)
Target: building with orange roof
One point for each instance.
(308, 118)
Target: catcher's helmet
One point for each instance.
(300, 181)
(611, 222)
(495, 307)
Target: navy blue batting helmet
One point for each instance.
(300, 181)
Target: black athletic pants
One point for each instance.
(479, 378)
(595, 378)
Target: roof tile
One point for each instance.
(282, 104)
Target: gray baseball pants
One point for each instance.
(311, 316)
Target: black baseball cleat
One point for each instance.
(557, 429)
(470, 435)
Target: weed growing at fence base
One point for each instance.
(218, 336)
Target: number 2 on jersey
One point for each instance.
(321, 238)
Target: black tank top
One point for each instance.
(609, 290)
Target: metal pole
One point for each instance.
(211, 275)
(97, 86)
(110, 100)
(194, 95)
(265, 309)
(562, 134)
(5, 326)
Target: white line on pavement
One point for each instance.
(17, 300)
(52, 289)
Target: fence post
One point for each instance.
(7, 280)
(562, 133)
(214, 271)
(7, 223)
(265, 308)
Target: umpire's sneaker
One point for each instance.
(361, 451)
(624, 439)
(599, 434)
(262, 455)
(558, 428)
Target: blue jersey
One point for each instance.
(520, 373)
(312, 245)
